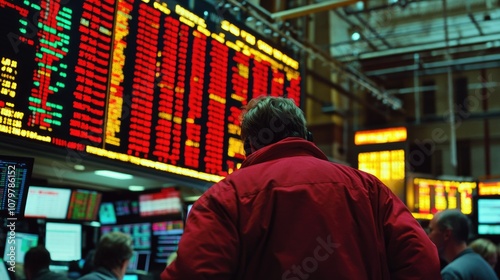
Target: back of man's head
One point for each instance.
(36, 259)
(267, 120)
(113, 249)
(456, 222)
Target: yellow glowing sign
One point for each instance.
(422, 216)
(437, 195)
(380, 136)
(385, 165)
(489, 188)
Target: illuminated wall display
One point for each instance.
(489, 188)
(431, 196)
(154, 83)
(385, 165)
(380, 136)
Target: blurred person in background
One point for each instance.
(450, 230)
(36, 265)
(289, 213)
(487, 249)
(111, 257)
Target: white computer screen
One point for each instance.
(47, 202)
(63, 241)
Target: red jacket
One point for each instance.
(289, 213)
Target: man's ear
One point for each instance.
(447, 234)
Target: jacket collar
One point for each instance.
(288, 147)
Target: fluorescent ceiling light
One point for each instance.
(136, 188)
(95, 224)
(79, 167)
(355, 36)
(113, 174)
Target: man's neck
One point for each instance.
(453, 250)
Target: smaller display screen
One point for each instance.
(126, 208)
(107, 214)
(488, 211)
(84, 205)
(47, 202)
(4, 274)
(140, 233)
(15, 173)
(16, 247)
(63, 241)
(166, 237)
(166, 201)
(139, 261)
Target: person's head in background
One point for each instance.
(487, 249)
(449, 230)
(35, 260)
(267, 120)
(114, 252)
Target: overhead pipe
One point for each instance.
(453, 135)
(348, 71)
(348, 21)
(486, 124)
(416, 84)
(372, 30)
(437, 64)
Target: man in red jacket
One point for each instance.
(290, 214)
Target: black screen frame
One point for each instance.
(28, 163)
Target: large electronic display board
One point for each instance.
(426, 196)
(154, 83)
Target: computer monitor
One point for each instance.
(131, 277)
(63, 241)
(166, 238)
(15, 173)
(140, 233)
(126, 208)
(488, 217)
(4, 274)
(166, 201)
(47, 202)
(17, 246)
(107, 215)
(140, 261)
(84, 205)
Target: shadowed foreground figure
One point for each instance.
(36, 265)
(289, 213)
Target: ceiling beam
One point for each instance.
(310, 9)
(315, 52)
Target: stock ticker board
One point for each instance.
(159, 84)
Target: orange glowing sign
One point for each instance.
(489, 188)
(380, 136)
